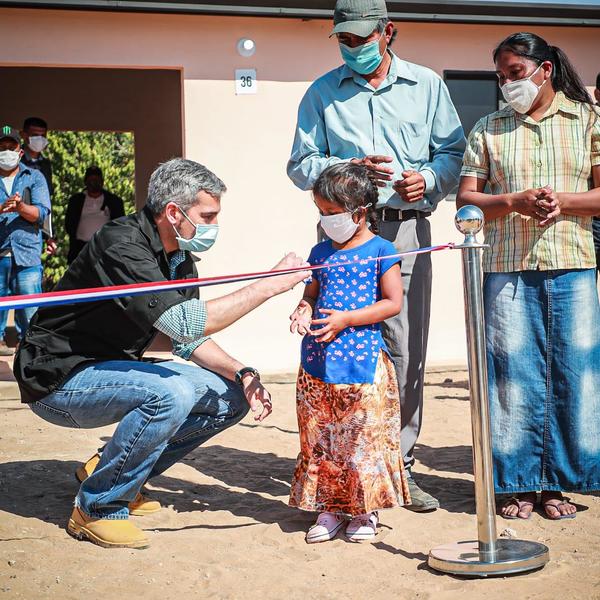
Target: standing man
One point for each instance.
(396, 118)
(34, 134)
(89, 210)
(24, 204)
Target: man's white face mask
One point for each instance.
(38, 143)
(9, 159)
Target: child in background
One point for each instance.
(350, 463)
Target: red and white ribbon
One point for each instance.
(137, 289)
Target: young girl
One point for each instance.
(350, 464)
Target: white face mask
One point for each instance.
(9, 159)
(521, 94)
(37, 143)
(341, 227)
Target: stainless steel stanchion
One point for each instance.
(488, 555)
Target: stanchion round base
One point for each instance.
(512, 556)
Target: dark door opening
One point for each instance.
(146, 102)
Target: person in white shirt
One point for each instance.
(89, 210)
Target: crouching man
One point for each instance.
(80, 365)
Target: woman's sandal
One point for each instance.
(520, 504)
(555, 503)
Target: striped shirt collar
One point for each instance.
(559, 103)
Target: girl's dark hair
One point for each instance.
(349, 185)
(564, 76)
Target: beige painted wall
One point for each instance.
(246, 139)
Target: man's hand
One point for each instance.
(301, 318)
(412, 187)
(51, 246)
(283, 283)
(333, 324)
(378, 173)
(257, 396)
(12, 204)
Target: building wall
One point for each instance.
(246, 139)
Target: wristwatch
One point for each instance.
(239, 375)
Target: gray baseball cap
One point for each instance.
(359, 17)
(6, 131)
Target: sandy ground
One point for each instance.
(226, 530)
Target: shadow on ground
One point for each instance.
(453, 459)
(463, 384)
(51, 499)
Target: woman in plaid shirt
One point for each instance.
(534, 169)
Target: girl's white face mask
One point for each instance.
(341, 227)
(521, 94)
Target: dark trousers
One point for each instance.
(75, 247)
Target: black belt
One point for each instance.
(396, 214)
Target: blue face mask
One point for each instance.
(362, 59)
(201, 241)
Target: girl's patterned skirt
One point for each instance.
(350, 460)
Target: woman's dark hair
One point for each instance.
(349, 185)
(564, 76)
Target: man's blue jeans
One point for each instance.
(16, 280)
(164, 411)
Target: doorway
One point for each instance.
(146, 102)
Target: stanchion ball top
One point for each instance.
(469, 220)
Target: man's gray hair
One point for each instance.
(179, 180)
(381, 25)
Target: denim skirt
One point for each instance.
(543, 354)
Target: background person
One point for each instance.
(89, 210)
(397, 119)
(35, 141)
(81, 364)
(538, 156)
(24, 204)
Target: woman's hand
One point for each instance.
(550, 202)
(337, 321)
(301, 318)
(527, 203)
(258, 397)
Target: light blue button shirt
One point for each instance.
(409, 117)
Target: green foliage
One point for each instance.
(71, 153)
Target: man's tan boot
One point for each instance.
(141, 505)
(83, 472)
(108, 533)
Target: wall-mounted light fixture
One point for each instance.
(246, 47)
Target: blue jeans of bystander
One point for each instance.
(16, 280)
